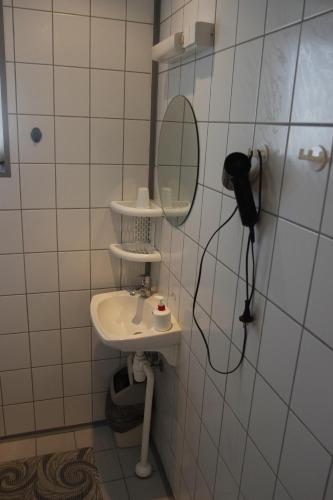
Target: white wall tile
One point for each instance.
(19, 418)
(72, 186)
(13, 311)
(258, 479)
(136, 142)
(216, 149)
(73, 229)
(246, 81)
(318, 313)
(37, 186)
(232, 443)
(304, 463)
(190, 253)
(230, 237)
(207, 459)
(33, 4)
(312, 100)
(10, 190)
(49, 414)
(72, 7)
(303, 187)
(224, 298)
(10, 224)
(45, 348)
(212, 419)
(277, 76)
(105, 269)
(107, 93)
(13, 138)
(210, 217)
(115, 9)
(139, 39)
(76, 344)
(78, 409)
(77, 379)
(225, 485)
(102, 370)
(135, 176)
(311, 392)
(107, 44)
(14, 351)
(74, 309)
(16, 386)
(41, 272)
(251, 19)
(71, 50)
(282, 13)
(203, 72)
(39, 230)
(267, 422)
(105, 184)
(74, 270)
(291, 268)
(105, 228)
(34, 89)
(30, 152)
(137, 96)
(47, 382)
(43, 311)
(37, 48)
(12, 274)
(221, 85)
(72, 140)
(143, 12)
(313, 7)
(106, 140)
(71, 91)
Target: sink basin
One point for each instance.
(125, 322)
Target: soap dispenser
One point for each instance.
(162, 316)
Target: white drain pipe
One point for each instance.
(141, 366)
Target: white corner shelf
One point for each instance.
(129, 208)
(136, 252)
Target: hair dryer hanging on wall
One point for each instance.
(236, 176)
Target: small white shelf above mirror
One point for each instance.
(129, 208)
(137, 251)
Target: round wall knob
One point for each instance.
(36, 135)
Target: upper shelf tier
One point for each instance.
(130, 208)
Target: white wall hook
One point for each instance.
(318, 155)
(263, 150)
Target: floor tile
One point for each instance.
(99, 438)
(13, 450)
(115, 490)
(108, 465)
(55, 443)
(151, 488)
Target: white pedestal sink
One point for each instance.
(125, 322)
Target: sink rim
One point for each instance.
(150, 339)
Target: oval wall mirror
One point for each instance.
(178, 160)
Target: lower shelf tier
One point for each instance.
(136, 252)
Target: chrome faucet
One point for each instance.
(144, 289)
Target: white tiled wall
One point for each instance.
(75, 69)
(264, 432)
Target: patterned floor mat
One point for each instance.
(70, 475)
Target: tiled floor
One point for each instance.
(116, 465)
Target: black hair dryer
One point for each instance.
(235, 177)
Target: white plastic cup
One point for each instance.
(142, 198)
